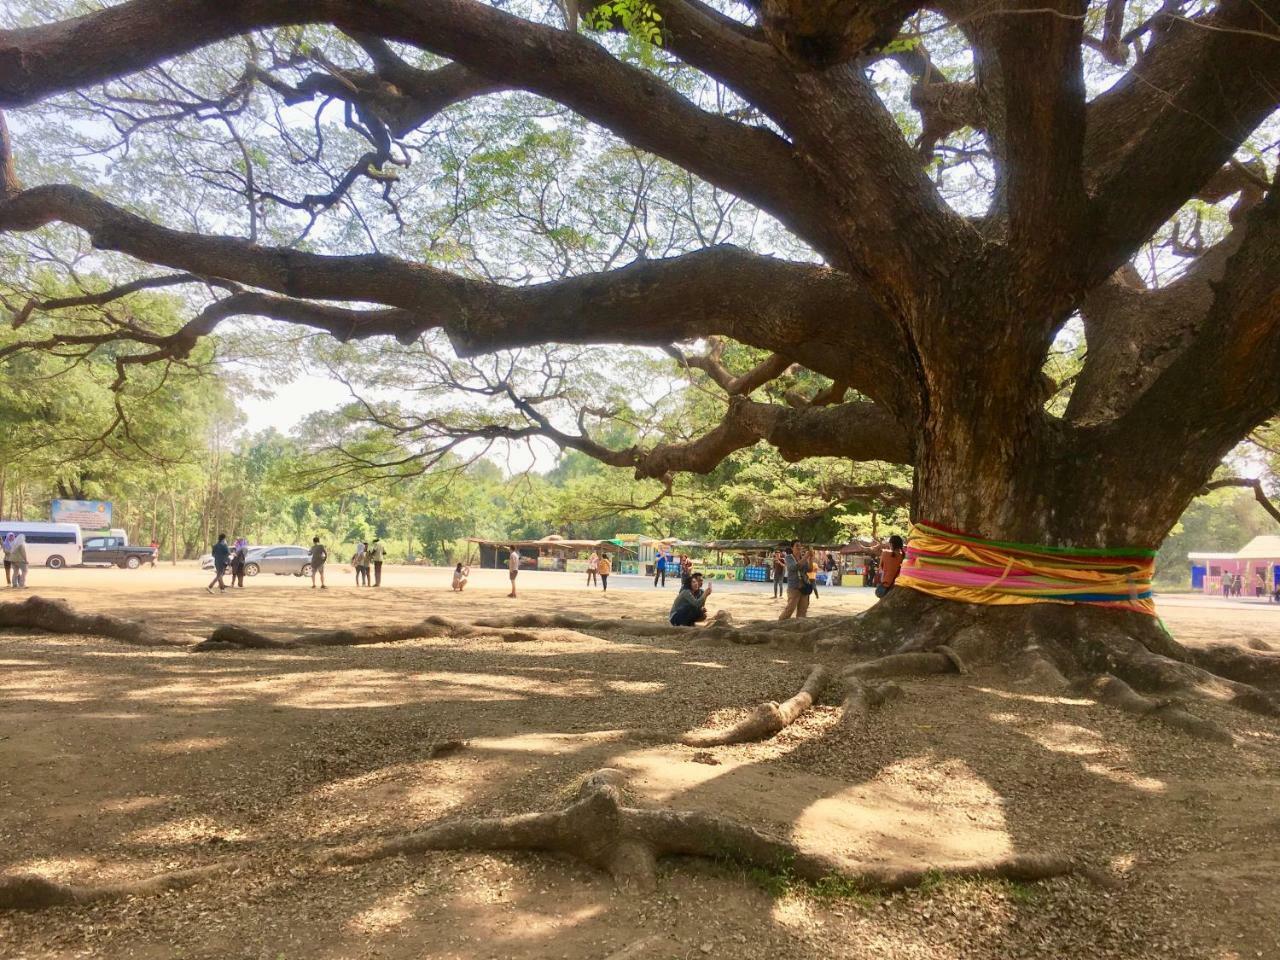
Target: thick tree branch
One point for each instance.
(769, 303)
(1223, 383)
(10, 185)
(1165, 130)
(712, 364)
(821, 33)
(855, 430)
(569, 68)
(401, 96)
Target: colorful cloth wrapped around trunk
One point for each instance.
(956, 566)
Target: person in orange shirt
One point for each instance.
(890, 565)
(605, 568)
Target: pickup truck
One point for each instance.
(114, 552)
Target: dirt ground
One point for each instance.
(118, 762)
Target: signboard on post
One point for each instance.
(88, 514)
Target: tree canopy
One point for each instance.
(866, 231)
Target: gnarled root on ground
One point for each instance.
(627, 842)
(1258, 666)
(941, 659)
(1056, 645)
(861, 697)
(719, 629)
(56, 616)
(767, 719)
(31, 892)
(1116, 693)
(227, 637)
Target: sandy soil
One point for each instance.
(117, 762)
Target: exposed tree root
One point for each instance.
(1116, 693)
(767, 719)
(31, 892)
(229, 637)
(1057, 645)
(1259, 668)
(627, 842)
(941, 659)
(719, 629)
(56, 616)
(861, 698)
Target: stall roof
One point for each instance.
(1211, 556)
(551, 541)
(1261, 548)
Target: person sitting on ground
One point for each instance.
(690, 605)
(890, 565)
(460, 574)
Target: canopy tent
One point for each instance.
(548, 553)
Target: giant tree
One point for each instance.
(930, 315)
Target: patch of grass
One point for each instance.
(776, 883)
(1019, 892)
(848, 889)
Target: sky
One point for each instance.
(291, 402)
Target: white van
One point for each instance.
(55, 545)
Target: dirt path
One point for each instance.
(117, 762)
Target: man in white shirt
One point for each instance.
(513, 567)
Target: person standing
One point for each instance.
(779, 574)
(513, 569)
(593, 568)
(358, 561)
(155, 551)
(5, 543)
(239, 557)
(690, 606)
(221, 560)
(660, 568)
(798, 585)
(377, 554)
(606, 567)
(318, 557)
(18, 557)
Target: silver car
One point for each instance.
(280, 560)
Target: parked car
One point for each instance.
(280, 560)
(115, 552)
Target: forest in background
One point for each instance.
(167, 446)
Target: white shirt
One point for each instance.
(513, 561)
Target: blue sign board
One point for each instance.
(89, 514)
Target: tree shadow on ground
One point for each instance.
(279, 752)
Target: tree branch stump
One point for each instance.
(766, 720)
